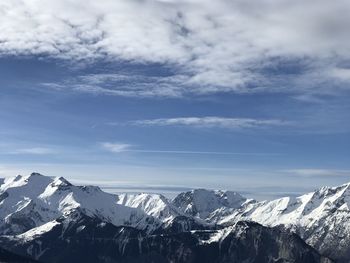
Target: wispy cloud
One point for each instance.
(201, 152)
(319, 172)
(122, 147)
(115, 147)
(209, 122)
(35, 150)
(219, 46)
(125, 84)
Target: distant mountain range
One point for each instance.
(50, 220)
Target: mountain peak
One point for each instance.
(155, 205)
(336, 192)
(60, 181)
(17, 177)
(202, 202)
(36, 174)
(32, 182)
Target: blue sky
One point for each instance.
(187, 95)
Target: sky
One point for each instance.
(164, 95)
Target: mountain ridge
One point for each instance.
(31, 205)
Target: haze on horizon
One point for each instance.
(251, 96)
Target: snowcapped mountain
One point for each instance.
(155, 205)
(35, 210)
(79, 238)
(159, 207)
(321, 218)
(30, 201)
(205, 204)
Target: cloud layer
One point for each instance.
(35, 150)
(319, 172)
(215, 46)
(212, 121)
(115, 147)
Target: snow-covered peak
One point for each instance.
(304, 210)
(155, 205)
(63, 197)
(60, 182)
(35, 199)
(201, 202)
(333, 192)
(32, 183)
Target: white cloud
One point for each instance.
(319, 172)
(122, 147)
(35, 150)
(115, 147)
(204, 152)
(127, 84)
(231, 123)
(219, 46)
(341, 73)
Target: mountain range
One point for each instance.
(51, 220)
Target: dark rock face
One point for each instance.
(9, 257)
(83, 239)
(3, 196)
(184, 224)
